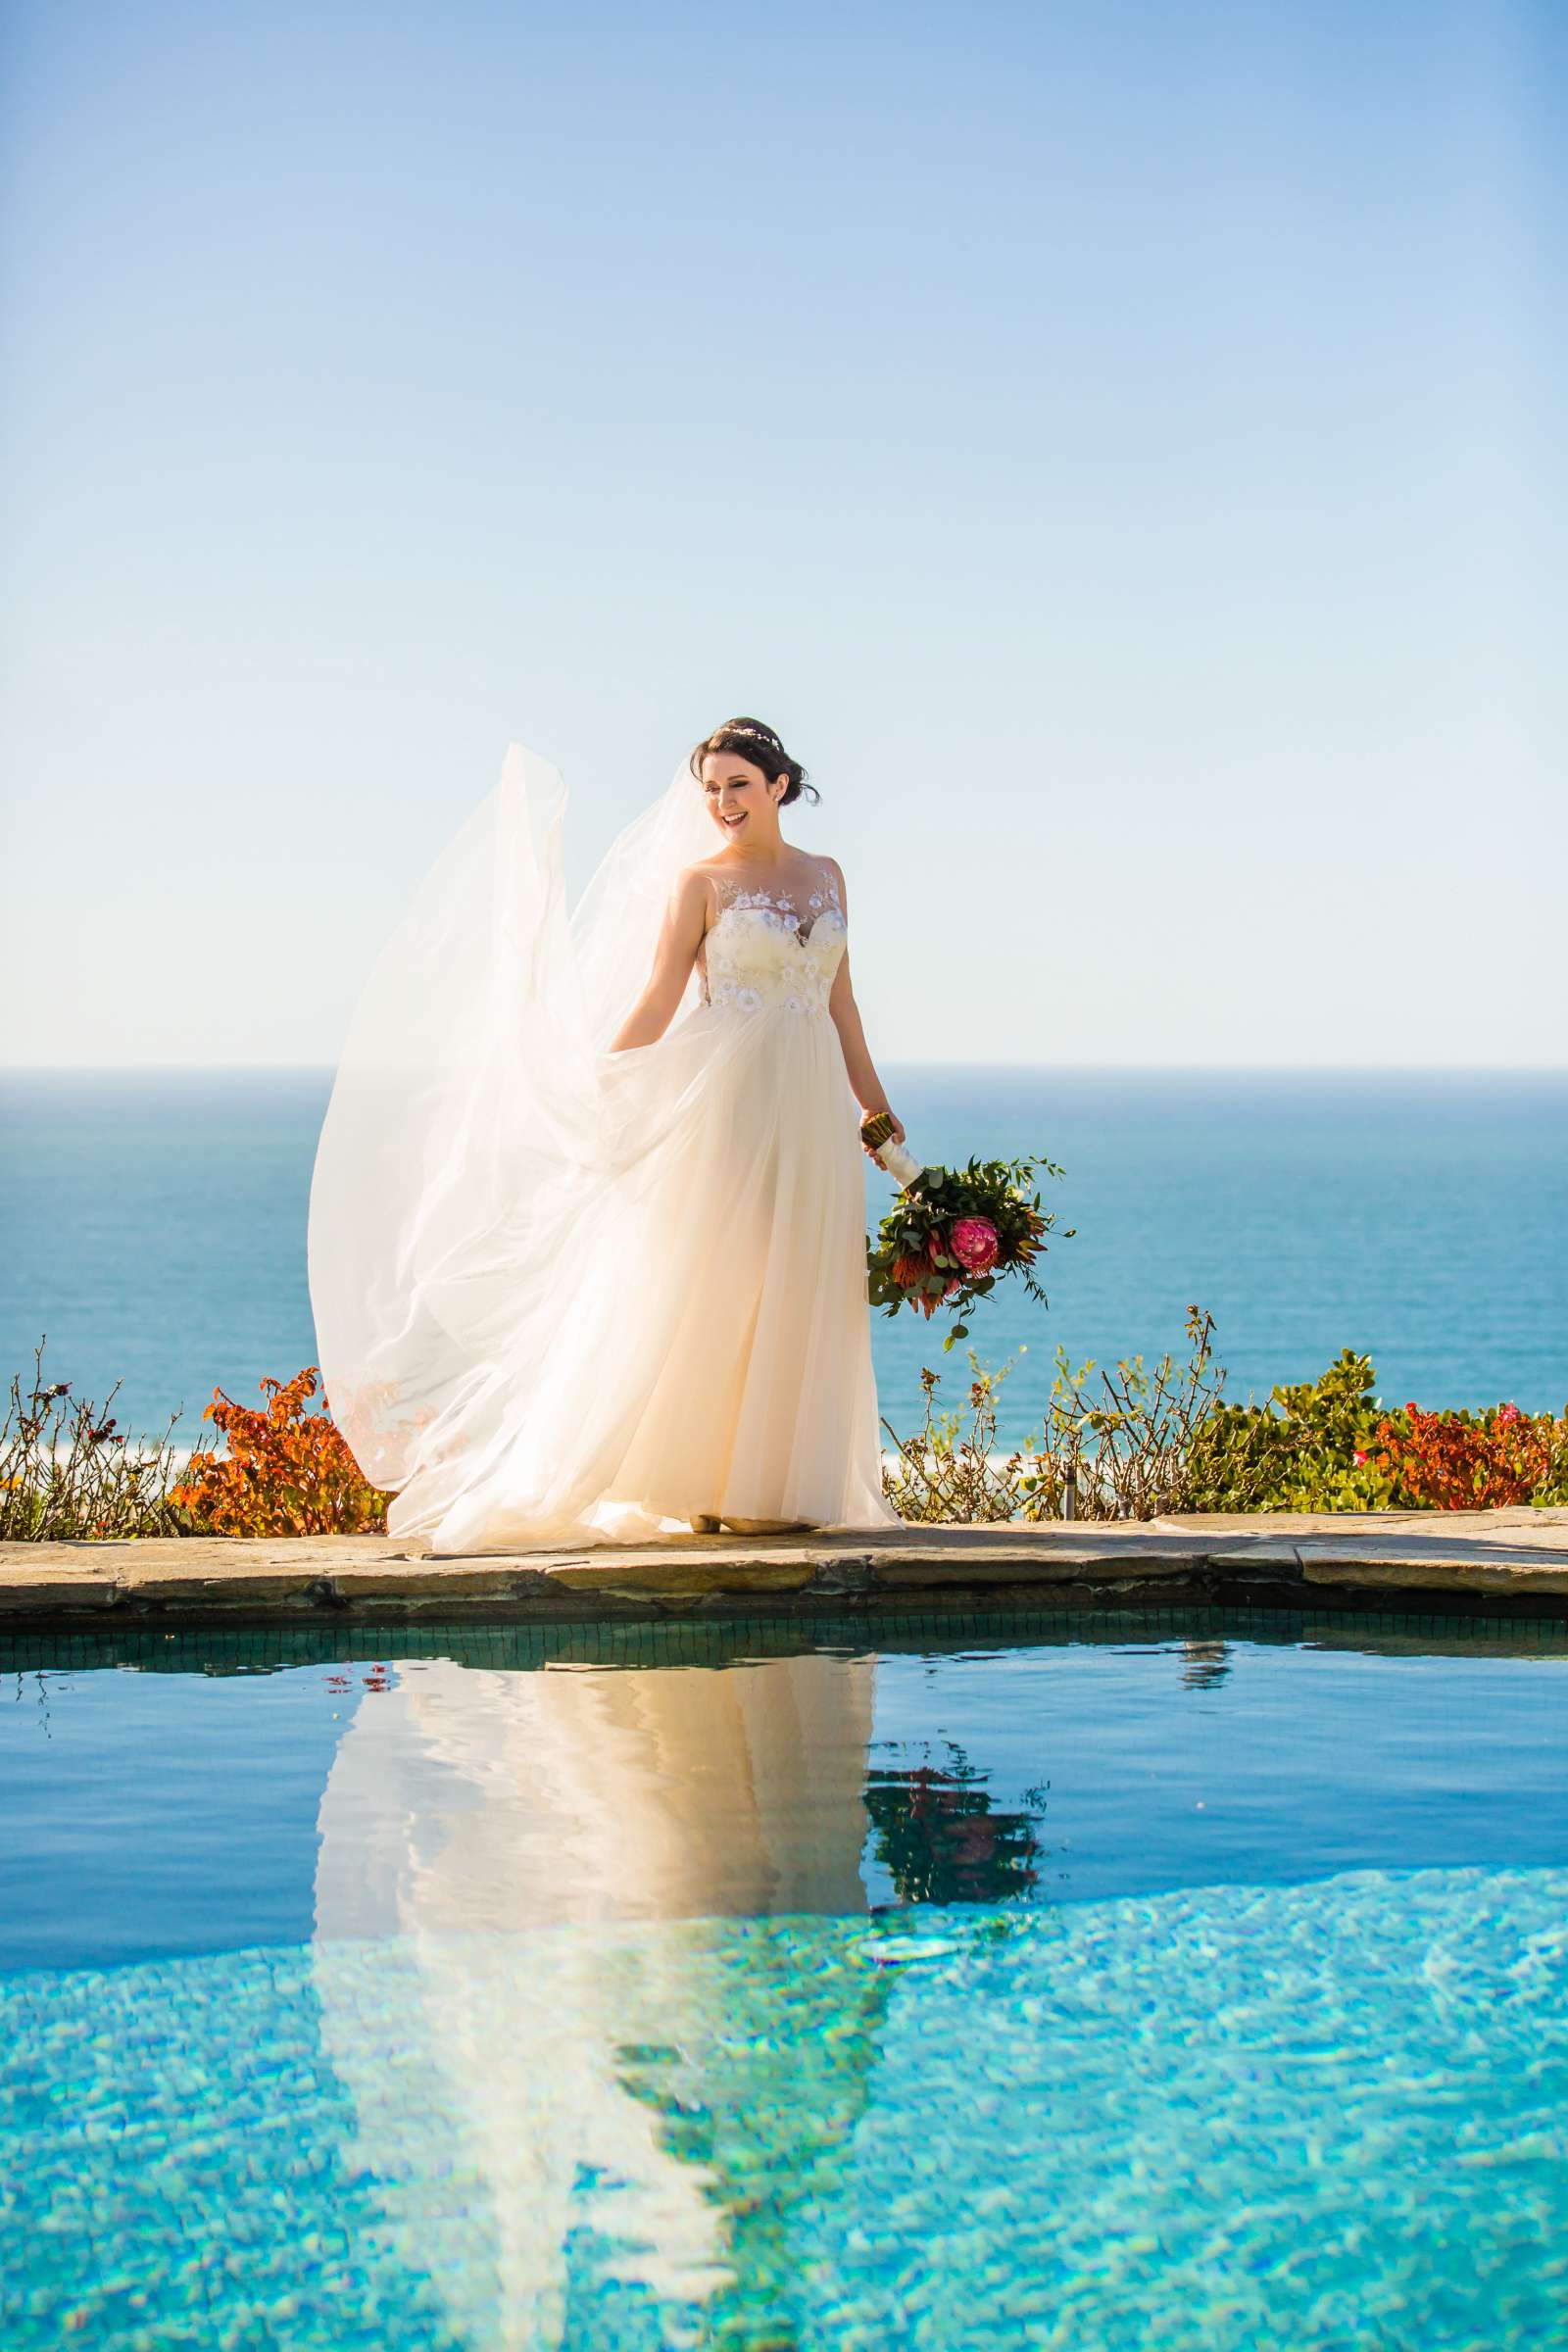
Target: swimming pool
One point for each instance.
(1190, 1978)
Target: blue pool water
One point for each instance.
(1195, 1979)
(155, 1227)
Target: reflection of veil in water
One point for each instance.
(582, 2038)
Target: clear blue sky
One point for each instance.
(1111, 443)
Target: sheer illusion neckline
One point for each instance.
(802, 911)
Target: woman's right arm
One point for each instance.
(679, 938)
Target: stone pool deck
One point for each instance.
(1496, 1564)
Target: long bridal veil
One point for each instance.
(477, 1123)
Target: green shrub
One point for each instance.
(1311, 1447)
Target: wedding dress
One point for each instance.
(564, 1295)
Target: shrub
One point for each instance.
(69, 1472)
(1123, 1438)
(287, 1471)
(1309, 1447)
(1121, 1442)
(1329, 1446)
(947, 1472)
(1458, 1461)
(1137, 1443)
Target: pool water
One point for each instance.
(1193, 1980)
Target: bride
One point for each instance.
(584, 1271)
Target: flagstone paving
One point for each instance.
(1500, 1561)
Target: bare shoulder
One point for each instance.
(693, 894)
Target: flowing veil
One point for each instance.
(477, 1115)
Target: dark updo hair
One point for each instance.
(750, 739)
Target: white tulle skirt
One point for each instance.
(571, 1296)
(698, 1342)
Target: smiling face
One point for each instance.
(741, 801)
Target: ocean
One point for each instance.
(154, 1228)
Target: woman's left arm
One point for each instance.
(865, 1084)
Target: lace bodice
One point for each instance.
(772, 950)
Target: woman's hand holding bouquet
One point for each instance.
(951, 1232)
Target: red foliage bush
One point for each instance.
(1468, 1461)
(287, 1471)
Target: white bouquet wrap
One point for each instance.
(900, 1163)
(876, 1129)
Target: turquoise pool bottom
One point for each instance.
(1329, 2114)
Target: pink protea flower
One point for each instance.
(1507, 1413)
(975, 1243)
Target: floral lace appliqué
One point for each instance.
(769, 950)
(800, 918)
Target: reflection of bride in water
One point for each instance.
(592, 2067)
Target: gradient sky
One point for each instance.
(1112, 445)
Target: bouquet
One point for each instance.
(951, 1232)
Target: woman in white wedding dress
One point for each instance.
(584, 1271)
